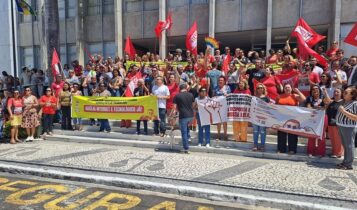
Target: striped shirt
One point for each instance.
(342, 120)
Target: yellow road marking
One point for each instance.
(166, 205)
(16, 198)
(132, 201)
(7, 186)
(53, 204)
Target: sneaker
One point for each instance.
(185, 152)
(162, 135)
(50, 133)
(108, 131)
(200, 145)
(28, 139)
(189, 139)
(207, 145)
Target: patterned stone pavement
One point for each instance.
(321, 180)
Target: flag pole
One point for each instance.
(13, 42)
(155, 46)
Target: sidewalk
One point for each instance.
(128, 137)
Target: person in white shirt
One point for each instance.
(337, 75)
(316, 69)
(162, 93)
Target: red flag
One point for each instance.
(129, 48)
(291, 78)
(129, 91)
(159, 28)
(191, 39)
(225, 65)
(89, 55)
(56, 63)
(306, 38)
(163, 25)
(308, 35)
(352, 36)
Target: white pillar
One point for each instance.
(212, 18)
(80, 32)
(269, 24)
(118, 4)
(336, 21)
(162, 17)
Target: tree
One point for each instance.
(51, 17)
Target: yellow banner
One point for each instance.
(175, 64)
(276, 67)
(130, 108)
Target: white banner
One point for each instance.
(212, 110)
(291, 119)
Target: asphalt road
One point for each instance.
(36, 193)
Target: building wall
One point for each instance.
(232, 16)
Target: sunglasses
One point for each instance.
(48, 90)
(27, 90)
(260, 88)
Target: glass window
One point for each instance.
(94, 7)
(133, 5)
(71, 53)
(151, 5)
(27, 18)
(109, 49)
(175, 3)
(71, 8)
(94, 49)
(37, 57)
(108, 7)
(61, 9)
(63, 53)
(27, 57)
(199, 1)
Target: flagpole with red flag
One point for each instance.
(351, 38)
(191, 39)
(56, 64)
(129, 48)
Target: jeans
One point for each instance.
(206, 128)
(66, 118)
(76, 121)
(1, 127)
(259, 130)
(104, 125)
(145, 122)
(185, 131)
(48, 122)
(162, 116)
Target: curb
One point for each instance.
(172, 188)
(162, 145)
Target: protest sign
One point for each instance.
(131, 108)
(212, 110)
(240, 107)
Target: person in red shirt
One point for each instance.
(331, 52)
(271, 83)
(15, 108)
(57, 85)
(48, 102)
(173, 86)
(78, 69)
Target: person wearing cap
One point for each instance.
(15, 108)
(48, 102)
(104, 123)
(183, 104)
(202, 128)
(178, 56)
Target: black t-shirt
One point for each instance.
(254, 74)
(184, 102)
(331, 112)
(315, 103)
(265, 98)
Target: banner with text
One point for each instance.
(130, 108)
(291, 119)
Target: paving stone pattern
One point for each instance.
(273, 175)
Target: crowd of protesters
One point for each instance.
(178, 87)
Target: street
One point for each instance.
(26, 192)
(234, 179)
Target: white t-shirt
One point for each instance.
(162, 90)
(318, 70)
(342, 74)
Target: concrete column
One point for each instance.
(43, 46)
(80, 43)
(336, 21)
(162, 17)
(212, 18)
(118, 4)
(269, 25)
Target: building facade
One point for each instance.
(101, 26)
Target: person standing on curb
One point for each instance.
(183, 104)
